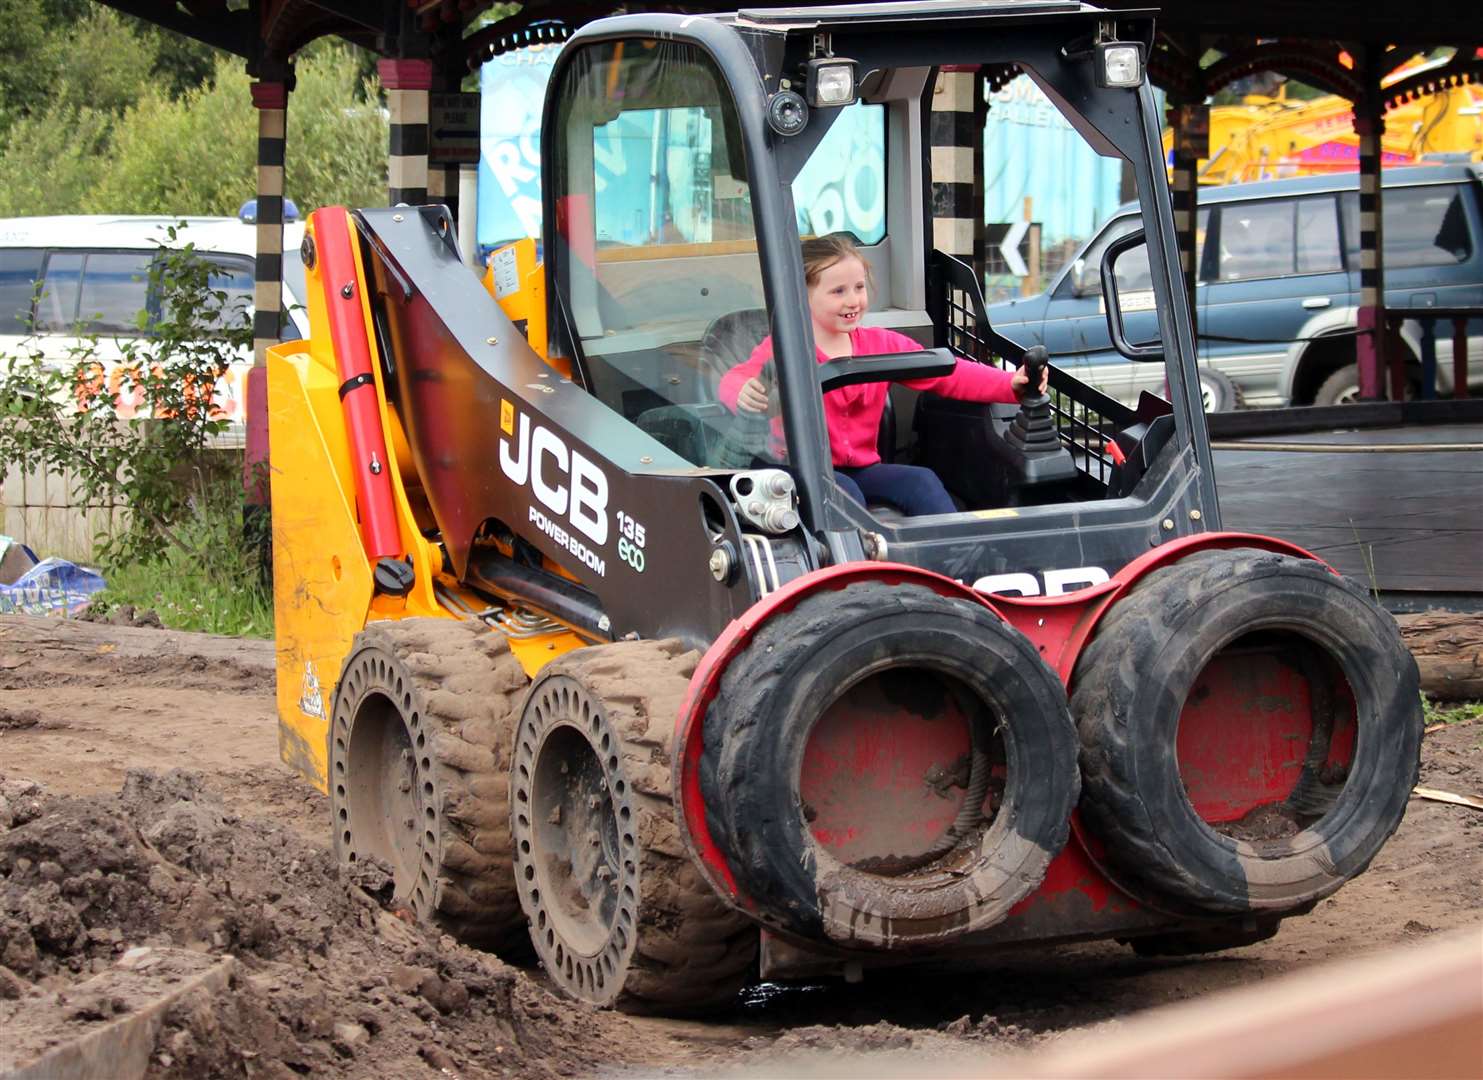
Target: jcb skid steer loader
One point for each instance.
(584, 657)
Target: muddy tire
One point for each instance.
(419, 749)
(1337, 794)
(618, 912)
(840, 758)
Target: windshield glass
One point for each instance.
(842, 186)
(659, 284)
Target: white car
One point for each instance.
(94, 280)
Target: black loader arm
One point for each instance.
(504, 446)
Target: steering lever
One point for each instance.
(1033, 431)
(1035, 361)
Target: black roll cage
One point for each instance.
(751, 52)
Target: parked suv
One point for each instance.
(1278, 288)
(94, 280)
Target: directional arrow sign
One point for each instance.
(452, 128)
(1009, 247)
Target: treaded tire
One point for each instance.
(618, 912)
(1129, 689)
(1219, 392)
(758, 728)
(419, 749)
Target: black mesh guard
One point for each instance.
(1085, 418)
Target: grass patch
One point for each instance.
(1450, 712)
(186, 599)
(215, 588)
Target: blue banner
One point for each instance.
(512, 91)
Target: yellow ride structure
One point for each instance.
(1267, 137)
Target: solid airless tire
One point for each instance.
(419, 749)
(618, 912)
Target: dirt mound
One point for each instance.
(123, 615)
(331, 980)
(213, 674)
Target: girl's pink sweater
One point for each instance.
(853, 413)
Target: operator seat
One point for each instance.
(731, 338)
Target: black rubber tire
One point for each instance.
(1225, 395)
(1129, 688)
(419, 748)
(757, 729)
(1342, 386)
(671, 945)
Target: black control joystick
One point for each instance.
(1000, 454)
(1033, 430)
(1035, 361)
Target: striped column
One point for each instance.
(442, 187)
(1370, 345)
(956, 142)
(407, 83)
(271, 101)
(442, 180)
(1184, 187)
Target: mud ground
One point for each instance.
(142, 803)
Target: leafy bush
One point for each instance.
(51, 162)
(223, 596)
(56, 138)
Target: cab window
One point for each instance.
(1133, 274)
(19, 269)
(1256, 240)
(1318, 236)
(114, 292)
(100, 292)
(659, 288)
(842, 186)
(56, 303)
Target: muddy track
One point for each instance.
(80, 705)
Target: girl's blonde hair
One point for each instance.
(822, 252)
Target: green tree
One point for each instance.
(52, 160)
(337, 132)
(81, 53)
(100, 63)
(188, 156)
(180, 63)
(53, 149)
(26, 62)
(198, 154)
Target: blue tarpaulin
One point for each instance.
(49, 587)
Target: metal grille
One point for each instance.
(1086, 419)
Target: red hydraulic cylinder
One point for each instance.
(350, 338)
